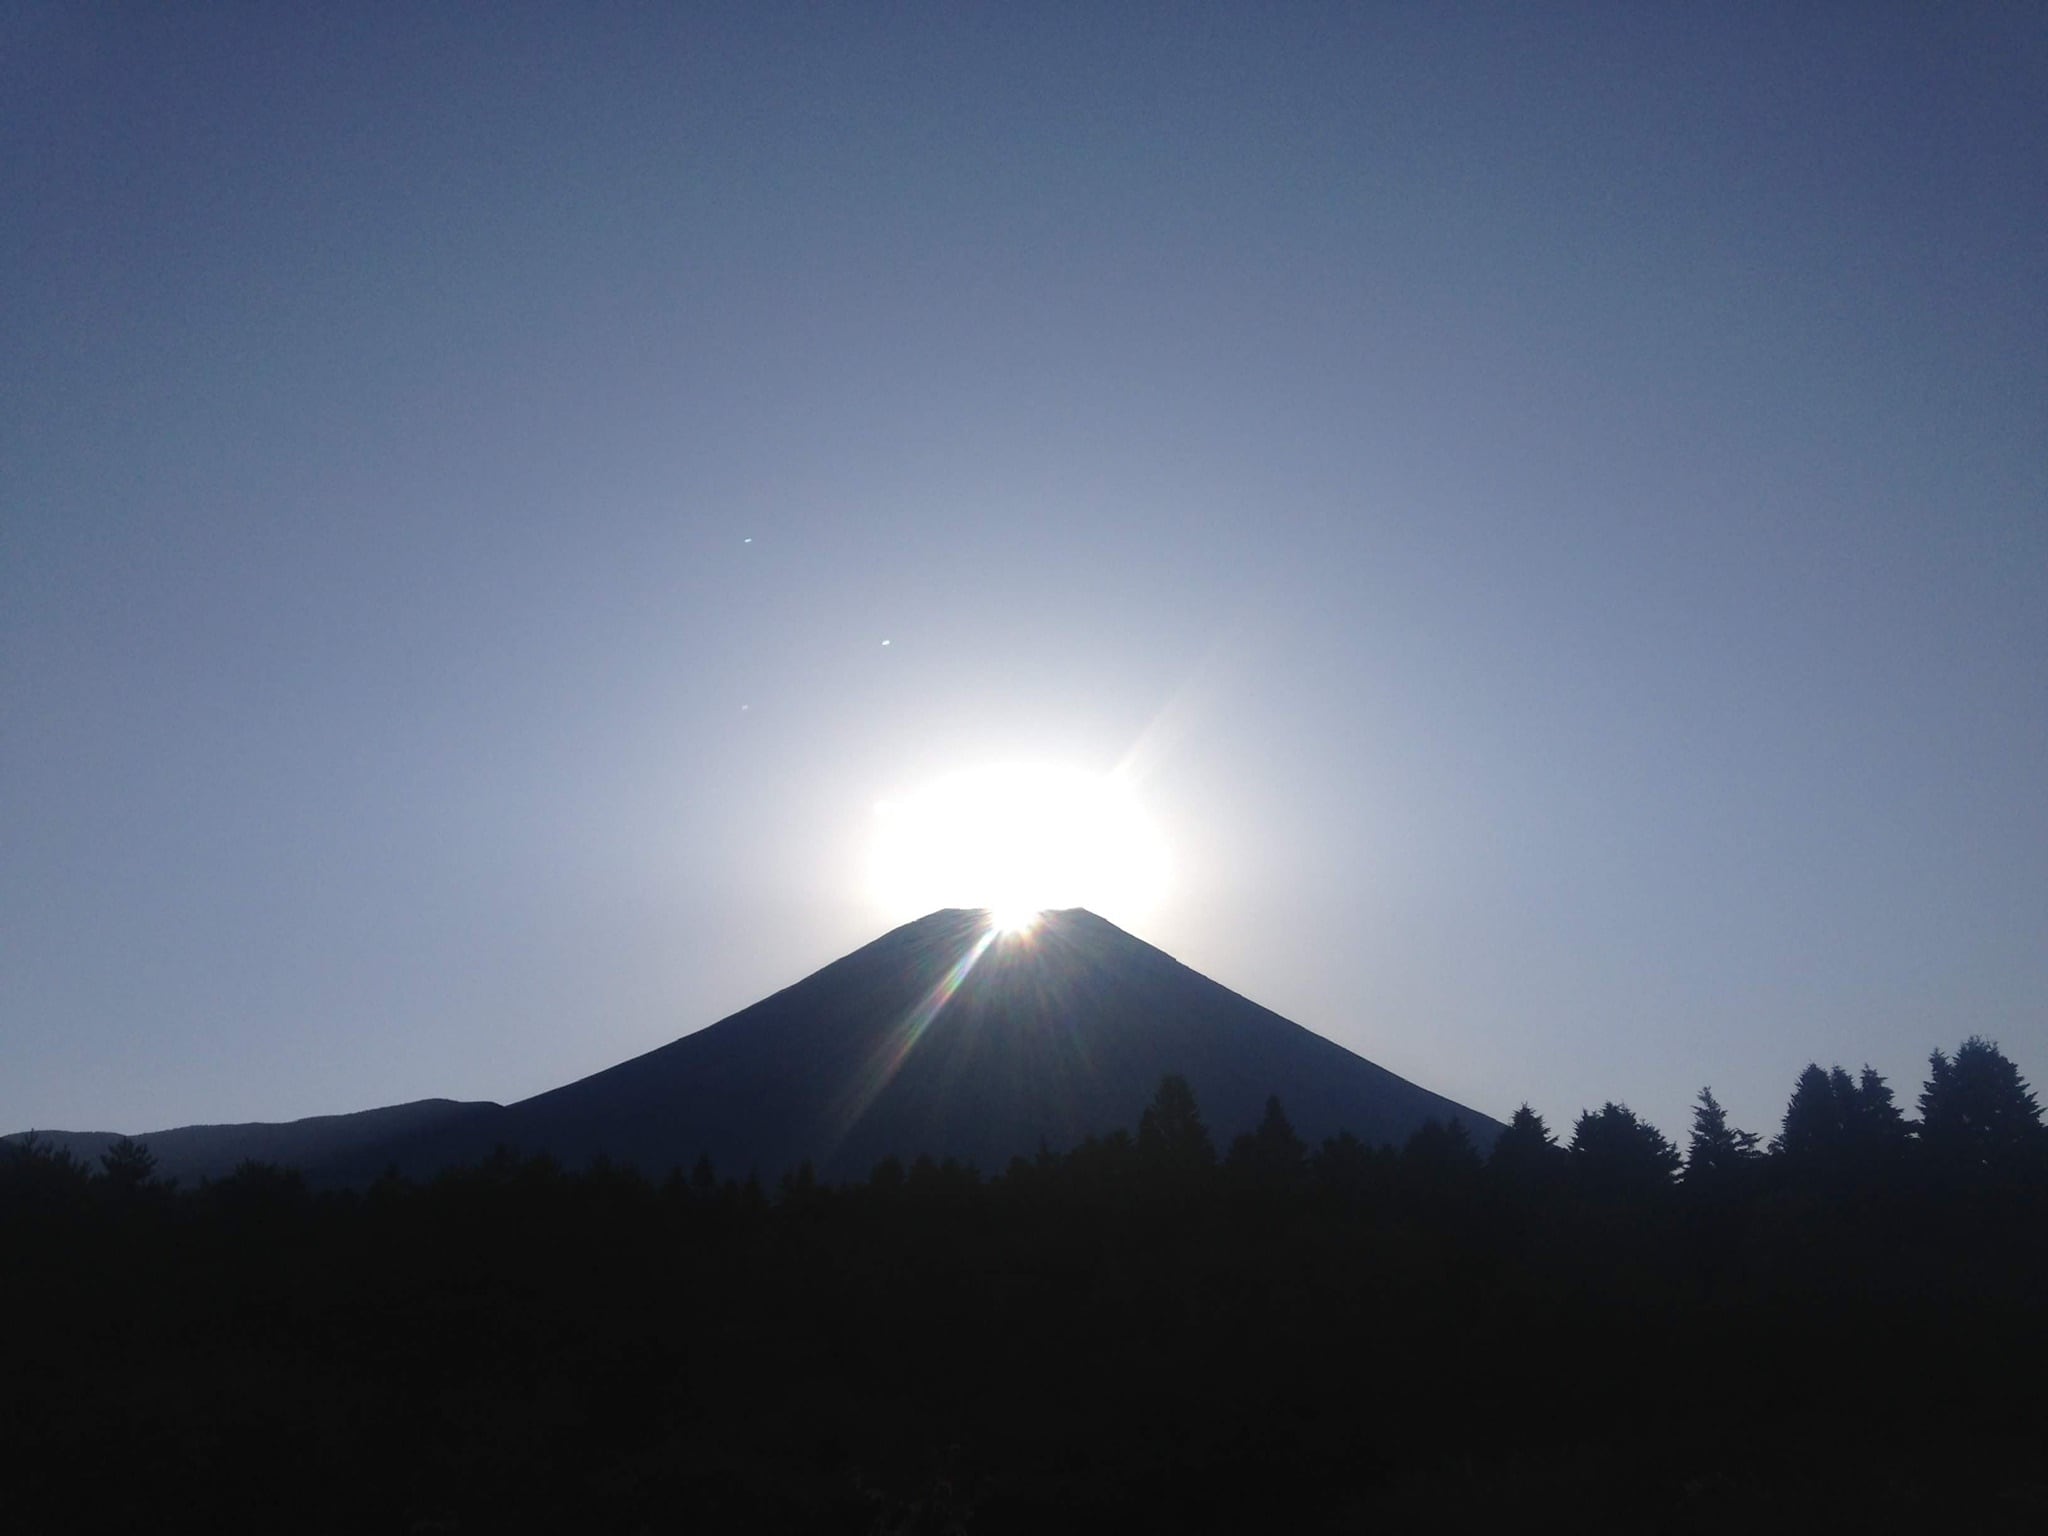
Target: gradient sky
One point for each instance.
(1550, 504)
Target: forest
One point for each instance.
(1842, 1327)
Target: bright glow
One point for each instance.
(1019, 840)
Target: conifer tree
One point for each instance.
(1526, 1154)
(1346, 1167)
(1171, 1135)
(1877, 1133)
(1615, 1153)
(1440, 1149)
(1977, 1114)
(1272, 1154)
(1812, 1132)
(127, 1164)
(1839, 1127)
(1718, 1154)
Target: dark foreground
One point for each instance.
(1135, 1336)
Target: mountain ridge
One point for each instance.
(189, 1153)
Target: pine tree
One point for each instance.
(1615, 1153)
(1977, 1114)
(1877, 1133)
(1718, 1154)
(1345, 1167)
(36, 1176)
(1838, 1127)
(1812, 1133)
(1526, 1155)
(1273, 1154)
(1171, 1136)
(128, 1164)
(1440, 1149)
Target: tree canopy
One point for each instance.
(1977, 1113)
(1615, 1153)
(1717, 1154)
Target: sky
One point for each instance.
(1545, 508)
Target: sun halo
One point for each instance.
(1014, 922)
(1017, 840)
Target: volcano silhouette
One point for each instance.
(942, 1038)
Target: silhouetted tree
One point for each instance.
(1171, 1136)
(257, 1194)
(749, 1198)
(127, 1165)
(1526, 1155)
(1839, 1127)
(1814, 1129)
(1439, 1150)
(1273, 1155)
(799, 1185)
(620, 1186)
(1878, 1133)
(1614, 1153)
(1718, 1156)
(1047, 1160)
(1352, 1172)
(515, 1344)
(1103, 1163)
(37, 1177)
(924, 1176)
(1977, 1114)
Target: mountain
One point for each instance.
(938, 1038)
(194, 1152)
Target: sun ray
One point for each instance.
(888, 1060)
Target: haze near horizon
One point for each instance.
(1546, 517)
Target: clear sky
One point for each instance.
(1547, 507)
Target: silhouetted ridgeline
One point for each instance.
(194, 1152)
(1842, 1331)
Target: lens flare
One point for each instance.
(876, 1075)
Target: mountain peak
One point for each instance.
(944, 1037)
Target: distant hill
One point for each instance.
(933, 1039)
(194, 1152)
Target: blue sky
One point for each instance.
(1552, 508)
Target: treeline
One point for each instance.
(1842, 1326)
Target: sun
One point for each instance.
(1018, 839)
(1014, 922)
